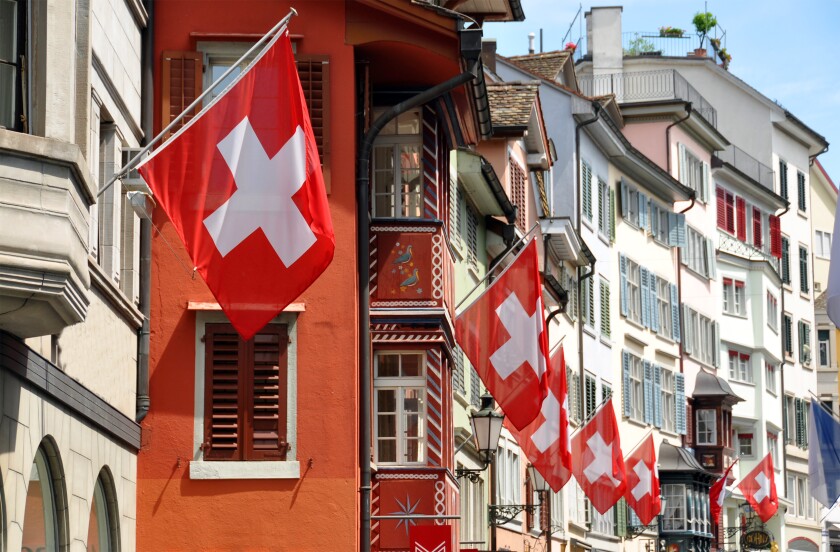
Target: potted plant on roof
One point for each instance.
(725, 58)
(703, 23)
(671, 32)
(571, 46)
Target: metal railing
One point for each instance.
(730, 244)
(653, 44)
(648, 86)
(748, 165)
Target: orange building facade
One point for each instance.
(256, 445)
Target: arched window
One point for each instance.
(40, 521)
(103, 528)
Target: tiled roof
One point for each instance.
(821, 302)
(511, 102)
(546, 65)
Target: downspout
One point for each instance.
(782, 356)
(578, 210)
(363, 260)
(147, 124)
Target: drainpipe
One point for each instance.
(363, 260)
(578, 210)
(782, 365)
(147, 123)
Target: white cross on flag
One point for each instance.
(243, 187)
(643, 481)
(717, 494)
(759, 488)
(545, 441)
(503, 334)
(599, 466)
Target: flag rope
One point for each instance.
(134, 162)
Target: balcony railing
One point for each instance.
(732, 245)
(653, 44)
(648, 86)
(748, 165)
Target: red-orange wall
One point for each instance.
(318, 511)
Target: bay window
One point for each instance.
(400, 408)
(397, 175)
(706, 427)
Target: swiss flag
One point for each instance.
(545, 441)
(759, 488)
(503, 334)
(717, 494)
(242, 185)
(599, 468)
(643, 481)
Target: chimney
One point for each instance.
(603, 39)
(531, 43)
(488, 53)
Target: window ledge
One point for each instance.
(604, 239)
(806, 295)
(588, 223)
(589, 330)
(606, 340)
(200, 469)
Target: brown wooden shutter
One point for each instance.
(315, 80)
(181, 84)
(224, 354)
(267, 404)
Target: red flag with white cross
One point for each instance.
(717, 494)
(643, 481)
(243, 187)
(759, 488)
(503, 334)
(599, 466)
(546, 441)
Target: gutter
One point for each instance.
(147, 124)
(508, 208)
(470, 50)
(782, 357)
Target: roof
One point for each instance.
(821, 302)
(545, 65)
(709, 385)
(511, 103)
(678, 459)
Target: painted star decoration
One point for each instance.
(406, 510)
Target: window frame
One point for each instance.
(20, 113)
(399, 384)
(703, 428)
(396, 142)
(820, 239)
(804, 282)
(745, 445)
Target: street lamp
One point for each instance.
(486, 428)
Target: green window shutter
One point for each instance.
(601, 200)
(605, 308)
(803, 270)
(586, 184)
(800, 184)
(800, 422)
(625, 392)
(612, 215)
(783, 183)
(785, 260)
(621, 518)
(591, 292)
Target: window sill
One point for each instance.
(735, 315)
(696, 273)
(589, 330)
(661, 243)
(200, 469)
(806, 295)
(588, 223)
(605, 340)
(740, 382)
(604, 239)
(801, 213)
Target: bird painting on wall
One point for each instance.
(405, 257)
(410, 281)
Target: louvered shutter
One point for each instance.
(756, 224)
(783, 181)
(676, 229)
(721, 208)
(657, 395)
(612, 215)
(475, 386)
(806, 340)
(625, 197)
(804, 285)
(683, 165)
(267, 404)
(679, 403)
(741, 209)
(601, 199)
(644, 277)
(785, 425)
(730, 212)
(675, 314)
(800, 422)
(654, 219)
(654, 303)
(800, 184)
(775, 237)
(706, 182)
(711, 259)
(716, 344)
(800, 333)
(224, 354)
(622, 269)
(787, 330)
(649, 401)
(605, 309)
(181, 84)
(643, 212)
(785, 260)
(688, 338)
(586, 184)
(621, 518)
(458, 374)
(625, 392)
(314, 73)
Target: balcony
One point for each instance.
(751, 167)
(45, 200)
(411, 266)
(648, 86)
(732, 245)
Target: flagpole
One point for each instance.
(490, 272)
(134, 161)
(820, 403)
(642, 440)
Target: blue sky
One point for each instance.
(786, 50)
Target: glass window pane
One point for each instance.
(409, 123)
(40, 530)
(387, 450)
(412, 365)
(8, 75)
(387, 366)
(8, 31)
(386, 401)
(386, 426)
(98, 529)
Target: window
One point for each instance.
(725, 210)
(783, 179)
(633, 380)
(706, 427)
(604, 523)
(699, 253)
(799, 494)
(770, 377)
(785, 260)
(675, 517)
(557, 509)
(586, 192)
(634, 296)
(13, 57)
(400, 408)
(745, 445)
(801, 190)
(605, 209)
(473, 511)
(573, 382)
(663, 305)
(740, 367)
(458, 372)
(103, 523)
(245, 383)
(604, 290)
(633, 205)
(796, 422)
(772, 312)
(757, 236)
(590, 392)
(669, 404)
(694, 173)
(773, 447)
(822, 244)
(508, 484)
(42, 527)
(519, 192)
(702, 337)
(606, 392)
(588, 304)
(823, 337)
(804, 342)
(472, 237)
(804, 285)
(397, 178)
(787, 335)
(734, 297)
(789, 420)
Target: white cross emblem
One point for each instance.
(523, 345)
(602, 464)
(549, 431)
(645, 484)
(263, 196)
(763, 487)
